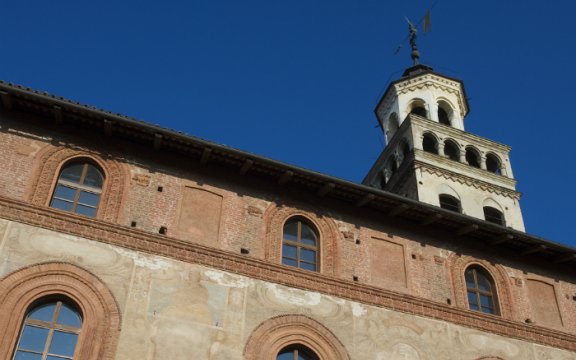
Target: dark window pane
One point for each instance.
(72, 173)
(487, 310)
(33, 338)
(93, 177)
(285, 355)
(308, 266)
(290, 262)
(21, 355)
(56, 358)
(483, 282)
(308, 255)
(61, 204)
(65, 192)
(90, 199)
(63, 343)
(85, 210)
(472, 301)
(291, 230)
(485, 301)
(289, 251)
(43, 312)
(470, 279)
(307, 236)
(69, 317)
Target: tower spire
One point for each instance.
(415, 53)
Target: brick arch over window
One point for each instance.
(279, 332)
(490, 358)
(275, 217)
(459, 263)
(101, 315)
(47, 168)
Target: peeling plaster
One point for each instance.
(295, 297)
(229, 280)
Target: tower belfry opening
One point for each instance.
(422, 114)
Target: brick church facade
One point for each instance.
(124, 240)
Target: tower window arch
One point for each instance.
(300, 244)
(429, 143)
(50, 331)
(79, 188)
(494, 215)
(472, 157)
(493, 164)
(481, 290)
(296, 352)
(451, 150)
(445, 113)
(418, 107)
(449, 202)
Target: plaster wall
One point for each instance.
(472, 199)
(175, 310)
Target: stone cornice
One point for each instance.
(137, 240)
(431, 80)
(457, 134)
(467, 180)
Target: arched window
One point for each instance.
(493, 164)
(50, 331)
(444, 113)
(296, 352)
(419, 110)
(451, 150)
(300, 244)
(480, 289)
(472, 158)
(449, 202)
(494, 215)
(78, 189)
(443, 117)
(429, 143)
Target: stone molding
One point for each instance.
(138, 240)
(19, 290)
(274, 218)
(276, 333)
(466, 180)
(457, 265)
(47, 168)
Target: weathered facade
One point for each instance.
(182, 249)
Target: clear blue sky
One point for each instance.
(297, 80)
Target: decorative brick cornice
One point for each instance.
(137, 240)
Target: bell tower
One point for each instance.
(430, 157)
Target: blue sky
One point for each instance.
(298, 80)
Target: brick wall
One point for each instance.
(253, 213)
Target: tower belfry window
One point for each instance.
(429, 144)
(418, 110)
(451, 150)
(443, 117)
(493, 164)
(472, 158)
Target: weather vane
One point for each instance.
(415, 53)
(413, 30)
